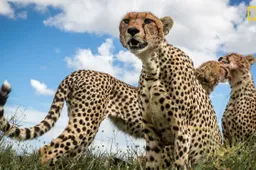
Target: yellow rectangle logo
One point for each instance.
(251, 13)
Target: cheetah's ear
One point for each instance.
(251, 59)
(167, 24)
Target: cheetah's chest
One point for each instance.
(150, 102)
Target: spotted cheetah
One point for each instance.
(211, 73)
(175, 108)
(91, 96)
(239, 118)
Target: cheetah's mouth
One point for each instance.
(136, 45)
(228, 76)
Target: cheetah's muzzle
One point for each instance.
(136, 45)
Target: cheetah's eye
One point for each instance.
(126, 21)
(225, 61)
(148, 21)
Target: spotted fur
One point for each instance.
(91, 97)
(211, 73)
(239, 118)
(175, 108)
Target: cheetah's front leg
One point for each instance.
(171, 126)
(154, 147)
(181, 147)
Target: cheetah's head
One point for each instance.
(142, 31)
(236, 61)
(211, 73)
(238, 64)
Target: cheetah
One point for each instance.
(129, 114)
(239, 118)
(210, 74)
(91, 96)
(175, 108)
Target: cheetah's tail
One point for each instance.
(44, 126)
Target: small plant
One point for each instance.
(241, 156)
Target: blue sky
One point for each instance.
(41, 42)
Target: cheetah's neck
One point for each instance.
(241, 84)
(150, 61)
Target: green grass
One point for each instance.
(10, 160)
(239, 157)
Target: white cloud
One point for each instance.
(241, 39)
(103, 61)
(199, 56)
(122, 65)
(6, 9)
(41, 88)
(253, 3)
(201, 28)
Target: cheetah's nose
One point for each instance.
(133, 31)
